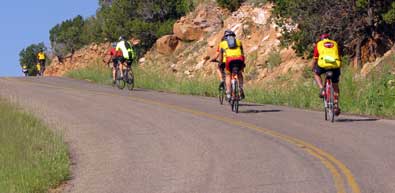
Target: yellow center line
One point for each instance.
(328, 160)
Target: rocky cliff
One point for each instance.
(92, 54)
(197, 35)
(187, 52)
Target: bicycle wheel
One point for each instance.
(332, 105)
(221, 95)
(325, 108)
(130, 80)
(236, 106)
(119, 81)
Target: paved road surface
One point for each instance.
(145, 141)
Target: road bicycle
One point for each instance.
(127, 80)
(235, 89)
(222, 87)
(329, 98)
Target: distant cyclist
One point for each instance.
(232, 54)
(25, 70)
(114, 58)
(327, 58)
(41, 57)
(127, 54)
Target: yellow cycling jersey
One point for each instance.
(41, 56)
(228, 52)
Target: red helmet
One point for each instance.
(324, 36)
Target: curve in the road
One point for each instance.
(337, 169)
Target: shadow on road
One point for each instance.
(260, 111)
(357, 120)
(251, 105)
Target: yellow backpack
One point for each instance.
(328, 54)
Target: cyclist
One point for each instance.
(114, 58)
(232, 54)
(327, 58)
(41, 60)
(127, 54)
(24, 69)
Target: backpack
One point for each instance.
(129, 48)
(231, 42)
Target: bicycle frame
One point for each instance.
(329, 97)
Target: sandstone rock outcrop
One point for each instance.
(167, 44)
(84, 57)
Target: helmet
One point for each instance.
(324, 36)
(121, 38)
(229, 33)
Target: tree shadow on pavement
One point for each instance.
(357, 120)
(251, 105)
(251, 111)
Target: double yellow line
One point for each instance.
(335, 167)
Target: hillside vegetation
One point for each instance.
(179, 37)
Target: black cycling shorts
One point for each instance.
(128, 61)
(115, 62)
(336, 73)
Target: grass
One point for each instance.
(372, 95)
(32, 158)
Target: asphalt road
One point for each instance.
(146, 141)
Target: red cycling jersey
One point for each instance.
(113, 52)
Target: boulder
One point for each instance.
(187, 31)
(166, 44)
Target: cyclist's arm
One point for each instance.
(221, 55)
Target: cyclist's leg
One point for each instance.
(228, 78)
(241, 79)
(220, 71)
(317, 77)
(121, 66)
(335, 82)
(114, 69)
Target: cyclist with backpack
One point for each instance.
(127, 54)
(231, 53)
(327, 58)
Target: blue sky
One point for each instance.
(24, 22)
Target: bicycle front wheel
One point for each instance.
(119, 81)
(221, 95)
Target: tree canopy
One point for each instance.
(146, 20)
(354, 24)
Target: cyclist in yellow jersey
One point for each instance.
(327, 58)
(41, 57)
(127, 53)
(231, 52)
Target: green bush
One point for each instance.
(274, 59)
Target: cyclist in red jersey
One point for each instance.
(114, 57)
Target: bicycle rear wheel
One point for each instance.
(130, 80)
(332, 105)
(119, 81)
